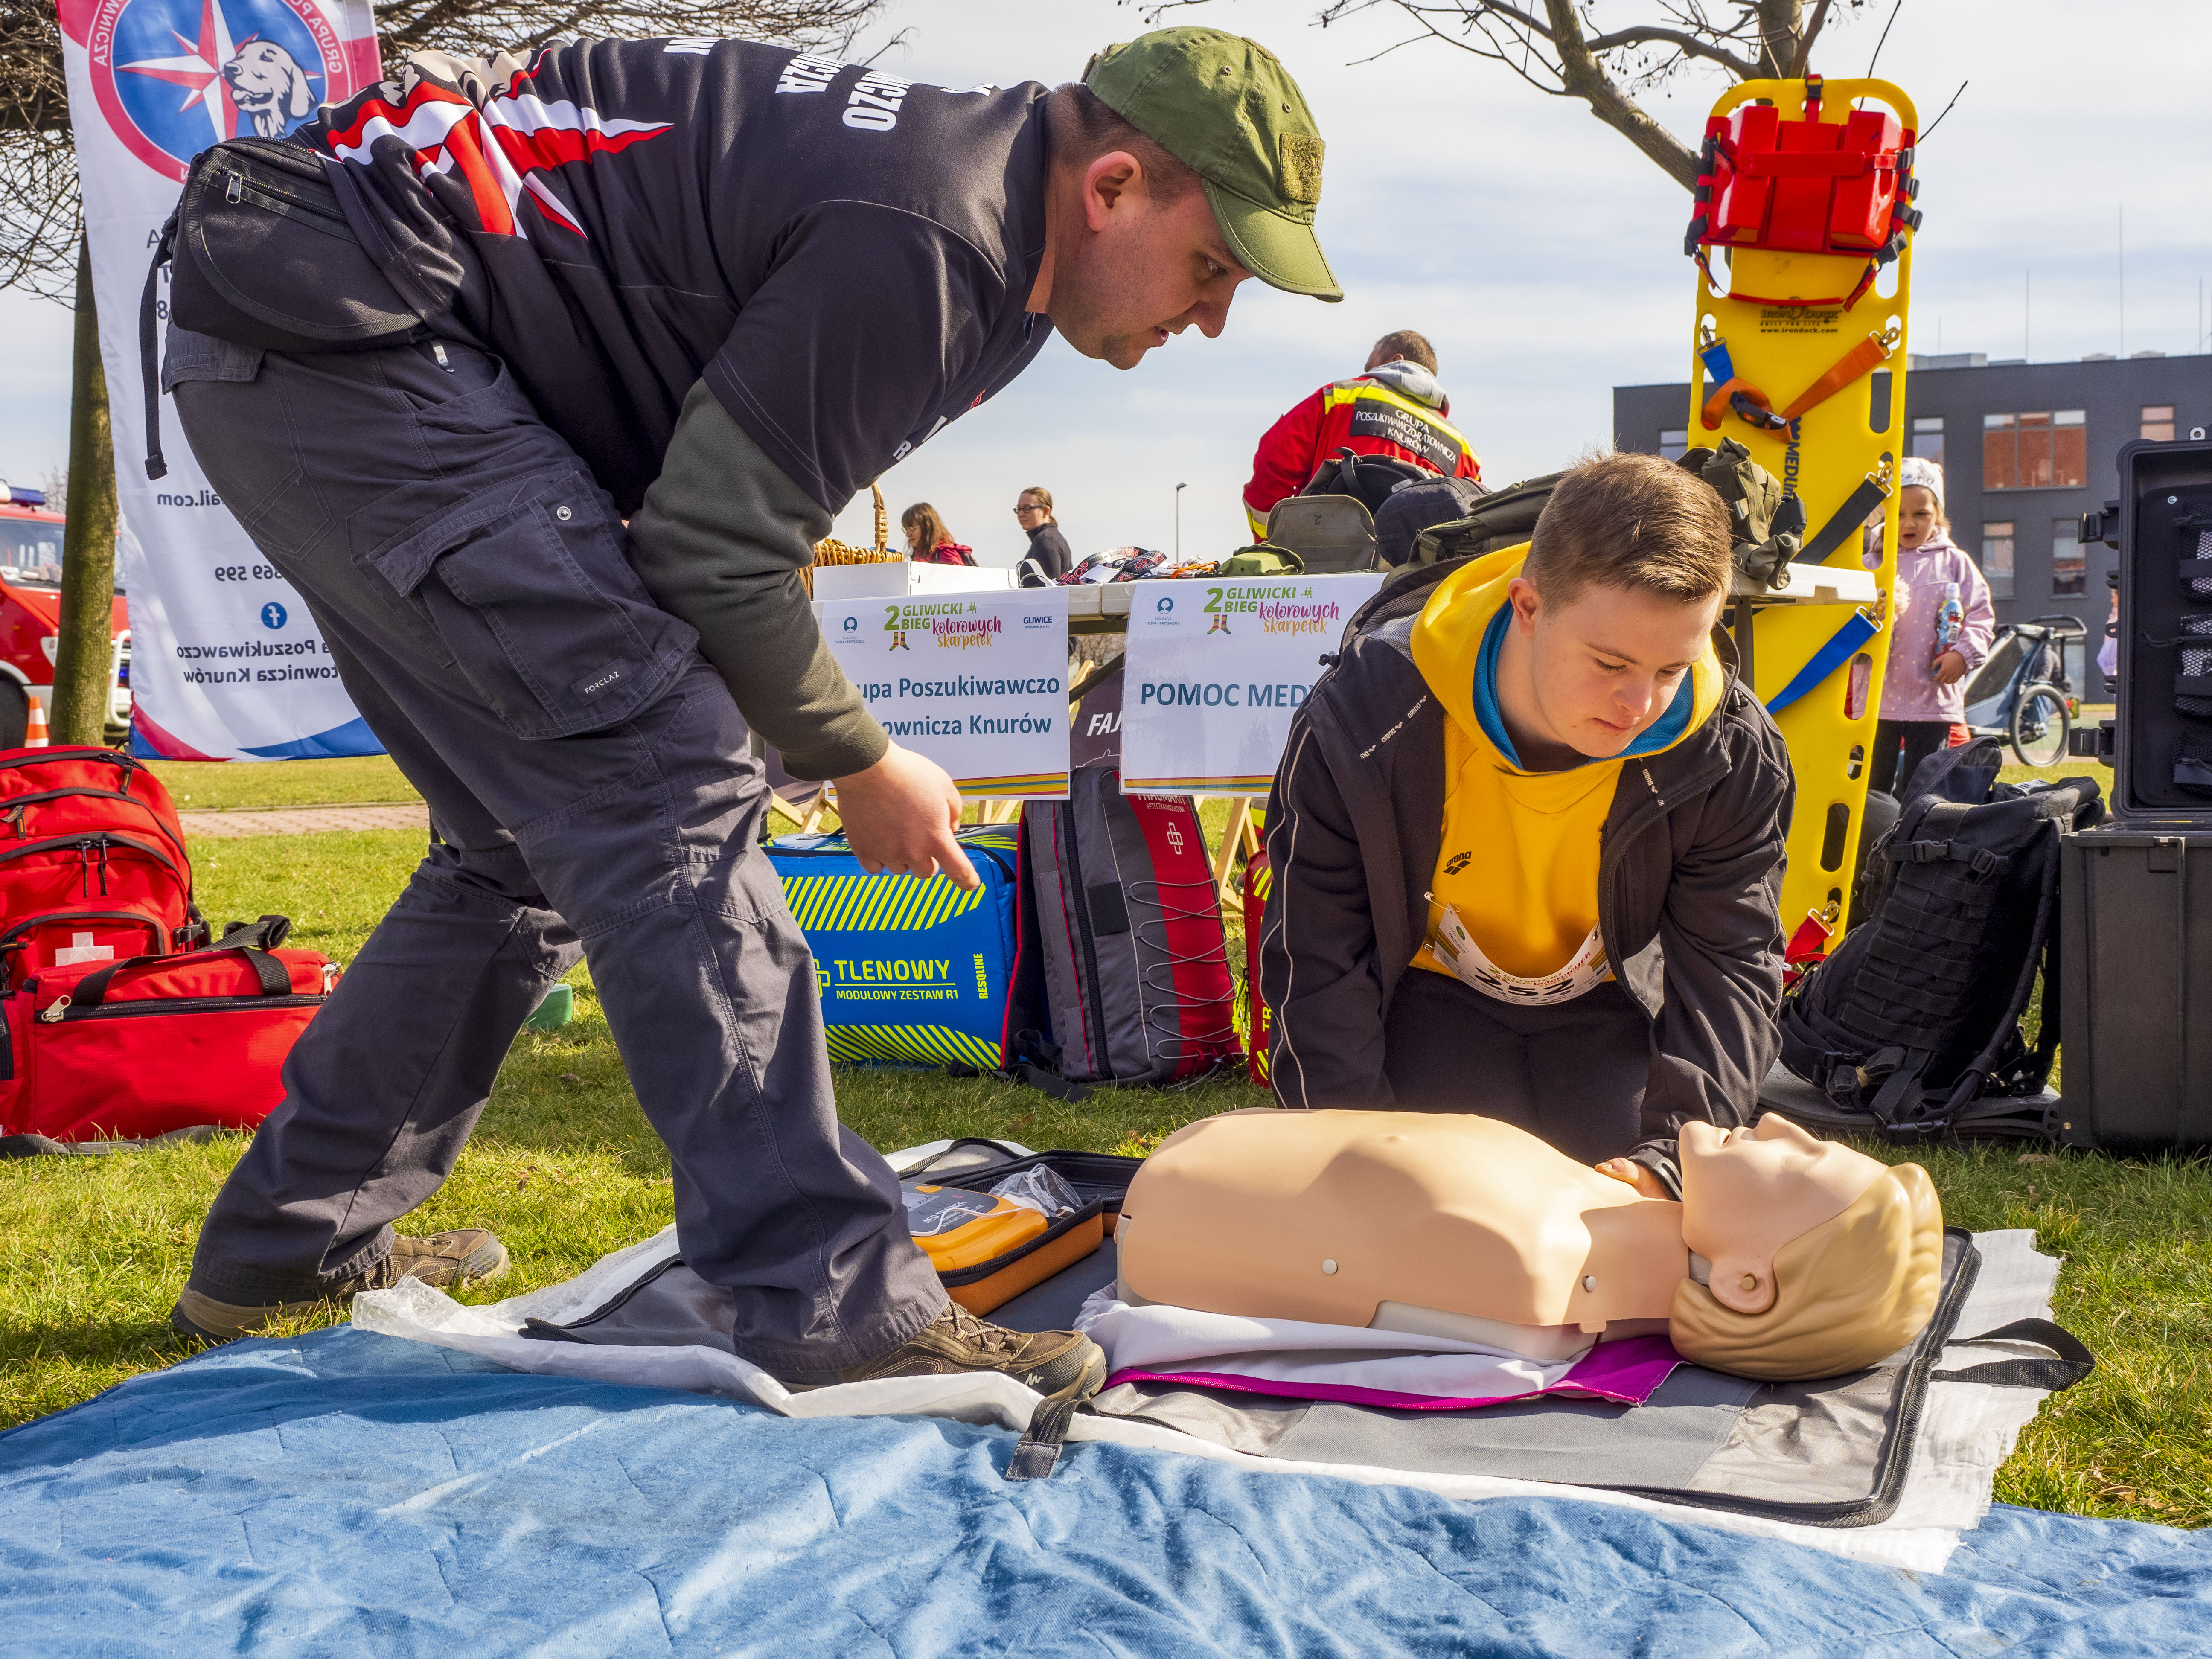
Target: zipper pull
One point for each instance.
(103, 866)
(235, 189)
(330, 977)
(52, 1014)
(438, 350)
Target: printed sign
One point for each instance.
(225, 664)
(1217, 667)
(977, 682)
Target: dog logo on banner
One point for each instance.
(174, 77)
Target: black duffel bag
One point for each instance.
(1911, 1029)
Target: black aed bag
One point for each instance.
(1913, 1026)
(261, 254)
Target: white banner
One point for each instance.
(225, 664)
(977, 682)
(1216, 669)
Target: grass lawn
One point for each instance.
(92, 1250)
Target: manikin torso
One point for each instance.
(1329, 1216)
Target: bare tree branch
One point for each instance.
(40, 222)
(1555, 46)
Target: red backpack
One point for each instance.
(93, 865)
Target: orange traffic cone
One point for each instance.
(34, 731)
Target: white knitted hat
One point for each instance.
(1926, 473)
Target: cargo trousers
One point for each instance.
(592, 794)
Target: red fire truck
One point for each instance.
(30, 614)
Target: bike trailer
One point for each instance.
(93, 865)
(136, 1049)
(910, 969)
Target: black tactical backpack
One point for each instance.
(1911, 1029)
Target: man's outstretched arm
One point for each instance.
(719, 542)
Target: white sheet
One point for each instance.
(1967, 1429)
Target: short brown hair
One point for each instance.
(1631, 521)
(1404, 342)
(1080, 127)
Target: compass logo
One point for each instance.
(174, 77)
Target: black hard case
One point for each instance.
(2136, 987)
(2163, 486)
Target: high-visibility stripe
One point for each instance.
(1353, 391)
(883, 902)
(933, 1044)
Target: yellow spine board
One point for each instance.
(1782, 350)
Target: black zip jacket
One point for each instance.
(1688, 884)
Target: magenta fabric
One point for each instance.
(1628, 1372)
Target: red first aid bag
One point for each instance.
(136, 1049)
(93, 866)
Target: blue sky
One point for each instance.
(1537, 250)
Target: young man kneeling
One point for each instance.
(1527, 841)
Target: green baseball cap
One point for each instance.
(1227, 109)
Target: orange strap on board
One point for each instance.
(1875, 349)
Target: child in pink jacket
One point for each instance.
(1923, 691)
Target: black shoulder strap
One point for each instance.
(276, 978)
(2073, 1363)
(150, 350)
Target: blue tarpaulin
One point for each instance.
(352, 1494)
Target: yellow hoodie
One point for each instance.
(1517, 871)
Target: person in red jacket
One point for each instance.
(1393, 407)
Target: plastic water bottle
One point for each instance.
(1950, 621)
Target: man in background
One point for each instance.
(1048, 547)
(1393, 408)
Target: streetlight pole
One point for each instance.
(1179, 489)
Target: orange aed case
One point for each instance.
(988, 1250)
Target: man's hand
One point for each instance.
(1638, 1176)
(1949, 667)
(900, 815)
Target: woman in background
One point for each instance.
(1932, 647)
(927, 540)
(1048, 547)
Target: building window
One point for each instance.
(1672, 446)
(2158, 422)
(1928, 438)
(1996, 557)
(2044, 451)
(2070, 569)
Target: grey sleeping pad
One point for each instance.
(1330, 533)
(1766, 523)
(1831, 1453)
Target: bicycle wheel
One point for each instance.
(2039, 724)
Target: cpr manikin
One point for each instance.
(1788, 1256)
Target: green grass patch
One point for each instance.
(235, 786)
(565, 1169)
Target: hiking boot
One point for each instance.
(443, 1260)
(1060, 1365)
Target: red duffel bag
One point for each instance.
(132, 1049)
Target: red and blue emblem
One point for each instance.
(174, 77)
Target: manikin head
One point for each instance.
(1184, 162)
(1625, 578)
(1823, 1259)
